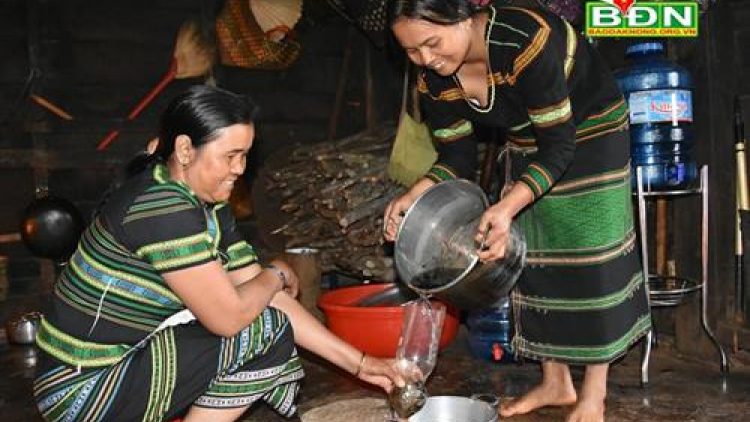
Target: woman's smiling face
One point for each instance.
(219, 163)
(442, 48)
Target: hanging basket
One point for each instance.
(276, 17)
(242, 42)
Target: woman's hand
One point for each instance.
(315, 337)
(494, 226)
(494, 232)
(380, 372)
(395, 211)
(290, 279)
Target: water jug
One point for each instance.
(491, 333)
(659, 95)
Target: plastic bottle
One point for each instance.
(491, 333)
(659, 95)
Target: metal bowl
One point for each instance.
(23, 330)
(436, 253)
(456, 408)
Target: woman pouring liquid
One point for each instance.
(581, 299)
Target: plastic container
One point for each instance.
(659, 95)
(491, 333)
(373, 329)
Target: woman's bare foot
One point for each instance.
(587, 410)
(540, 396)
(556, 389)
(593, 393)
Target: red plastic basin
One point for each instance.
(373, 329)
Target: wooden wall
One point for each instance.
(718, 61)
(96, 59)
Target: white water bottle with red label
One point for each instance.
(659, 95)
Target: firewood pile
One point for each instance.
(334, 194)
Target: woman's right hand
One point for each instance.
(394, 213)
(380, 372)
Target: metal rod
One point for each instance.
(742, 204)
(644, 264)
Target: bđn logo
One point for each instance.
(631, 18)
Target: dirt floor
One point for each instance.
(680, 389)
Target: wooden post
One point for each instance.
(369, 90)
(661, 236)
(333, 122)
(32, 19)
(3, 278)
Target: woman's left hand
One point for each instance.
(380, 372)
(494, 230)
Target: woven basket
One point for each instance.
(243, 44)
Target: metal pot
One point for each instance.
(306, 264)
(23, 330)
(477, 408)
(436, 252)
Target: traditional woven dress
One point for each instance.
(107, 354)
(581, 298)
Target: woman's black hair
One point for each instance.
(199, 112)
(441, 12)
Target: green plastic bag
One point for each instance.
(413, 151)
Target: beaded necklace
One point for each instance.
(491, 101)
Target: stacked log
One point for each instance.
(334, 194)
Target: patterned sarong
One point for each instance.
(178, 367)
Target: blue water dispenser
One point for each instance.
(491, 333)
(659, 95)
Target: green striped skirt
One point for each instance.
(179, 367)
(581, 298)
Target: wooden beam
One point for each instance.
(37, 158)
(10, 237)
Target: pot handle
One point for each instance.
(489, 398)
(33, 315)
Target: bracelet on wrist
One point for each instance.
(361, 363)
(279, 274)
